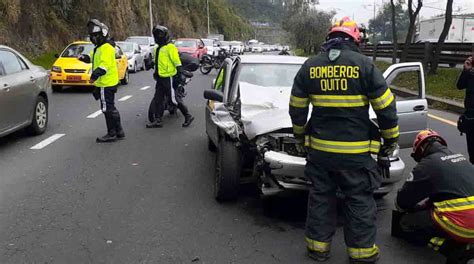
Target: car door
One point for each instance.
(3, 101)
(18, 88)
(219, 84)
(407, 82)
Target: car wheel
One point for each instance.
(210, 145)
(40, 117)
(135, 68)
(125, 79)
(57, 88)
(227, 171)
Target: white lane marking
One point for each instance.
(449, 122)
(145, 88)
(125, 98)
(95, 114)
(48, 141)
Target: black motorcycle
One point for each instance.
(209, 62)
(189, 65)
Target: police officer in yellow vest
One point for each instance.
(105, 78)
(167, 69)
(340, 83)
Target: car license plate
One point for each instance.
(73, 78)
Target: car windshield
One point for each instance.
(269, 75)
(186, 43)
(126, 47)
(139, 40)
(208, 42)
(74, 50)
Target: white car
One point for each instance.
(247, 122)
(135, 56)
(147, 44)
(237, 47)
(212, 46)
(257, 48)
(225, 45)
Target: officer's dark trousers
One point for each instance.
(163, 88)
(470, 146)
(359, 205)
(112, 115)
(418, 227)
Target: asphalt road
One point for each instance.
(149, 198)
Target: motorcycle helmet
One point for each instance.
(98, 31)
(422, 141)
(162, 35)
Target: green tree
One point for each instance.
(382, 26)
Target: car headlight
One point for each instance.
(56, 69)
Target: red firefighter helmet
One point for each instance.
(423, 137)
(348, 26)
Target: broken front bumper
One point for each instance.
(287, 172)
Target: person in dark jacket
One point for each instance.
(466, 81)
(435, 206)
(340, 83)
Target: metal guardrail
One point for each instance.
(452, 53)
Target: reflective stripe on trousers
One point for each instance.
(317, 246)
(362, 253)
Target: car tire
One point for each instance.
(39, 121)
(125, 79)
(227, 171)
(135, 69)
(56, 88)
(210, 145)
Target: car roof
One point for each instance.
(138, 37)
(275, 59)
(81, 42)
(196, 39)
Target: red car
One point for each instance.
(195, 47)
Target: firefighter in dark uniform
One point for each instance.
(435, 206)
(340, 138)
(105, 78)
(466, 81)
(167, 73)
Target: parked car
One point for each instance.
(247, 122)
(147, 44)
(257, 48)
(135, 56)
(67, 70)
(212, 46)
(24, 91)
(194, 47)
(237, 47)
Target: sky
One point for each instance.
(363, 10)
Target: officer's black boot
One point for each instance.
(118, 125)
(155, 124)
(188, 119)
(111, 135)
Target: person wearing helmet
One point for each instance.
(167, 74)
(435, 206)
(105, 78)
(466, 81)
(340, 83)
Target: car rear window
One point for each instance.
(126, 47)
(269, 75)
(186, 43)
(74, 50)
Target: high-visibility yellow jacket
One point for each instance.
(167, 60)
(340, 84)
(104, 57)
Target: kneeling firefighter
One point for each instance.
(340, 83)
(105, 78)
(167, 74)
(435, 206)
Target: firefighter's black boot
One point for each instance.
(155, 124)
(111, 135)
(188, 119)
(370, 260)
(118, 125)
(319, 256)
(457, 253)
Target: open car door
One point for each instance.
(407, 82)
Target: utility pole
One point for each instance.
(151, 18)
(373, 29)
(208, 19)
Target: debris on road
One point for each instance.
(195, 259)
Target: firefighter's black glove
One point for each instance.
(97, 73)
(84, 58)
(383, 163)
(388, 147)
(96, 93)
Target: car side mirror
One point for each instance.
(56, 55)
(214, 95)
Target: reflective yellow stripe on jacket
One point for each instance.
(299, 102)
(339, 100)
(445, 209)
(299, 129)
(383, 101)
(455, 204)
(317, 246)
(345, 147)
(361, 253)
(390, 133)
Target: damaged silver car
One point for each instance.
(249, 128)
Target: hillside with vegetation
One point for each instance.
(40, 26)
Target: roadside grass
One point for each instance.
(443, 84)
(45, 60)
